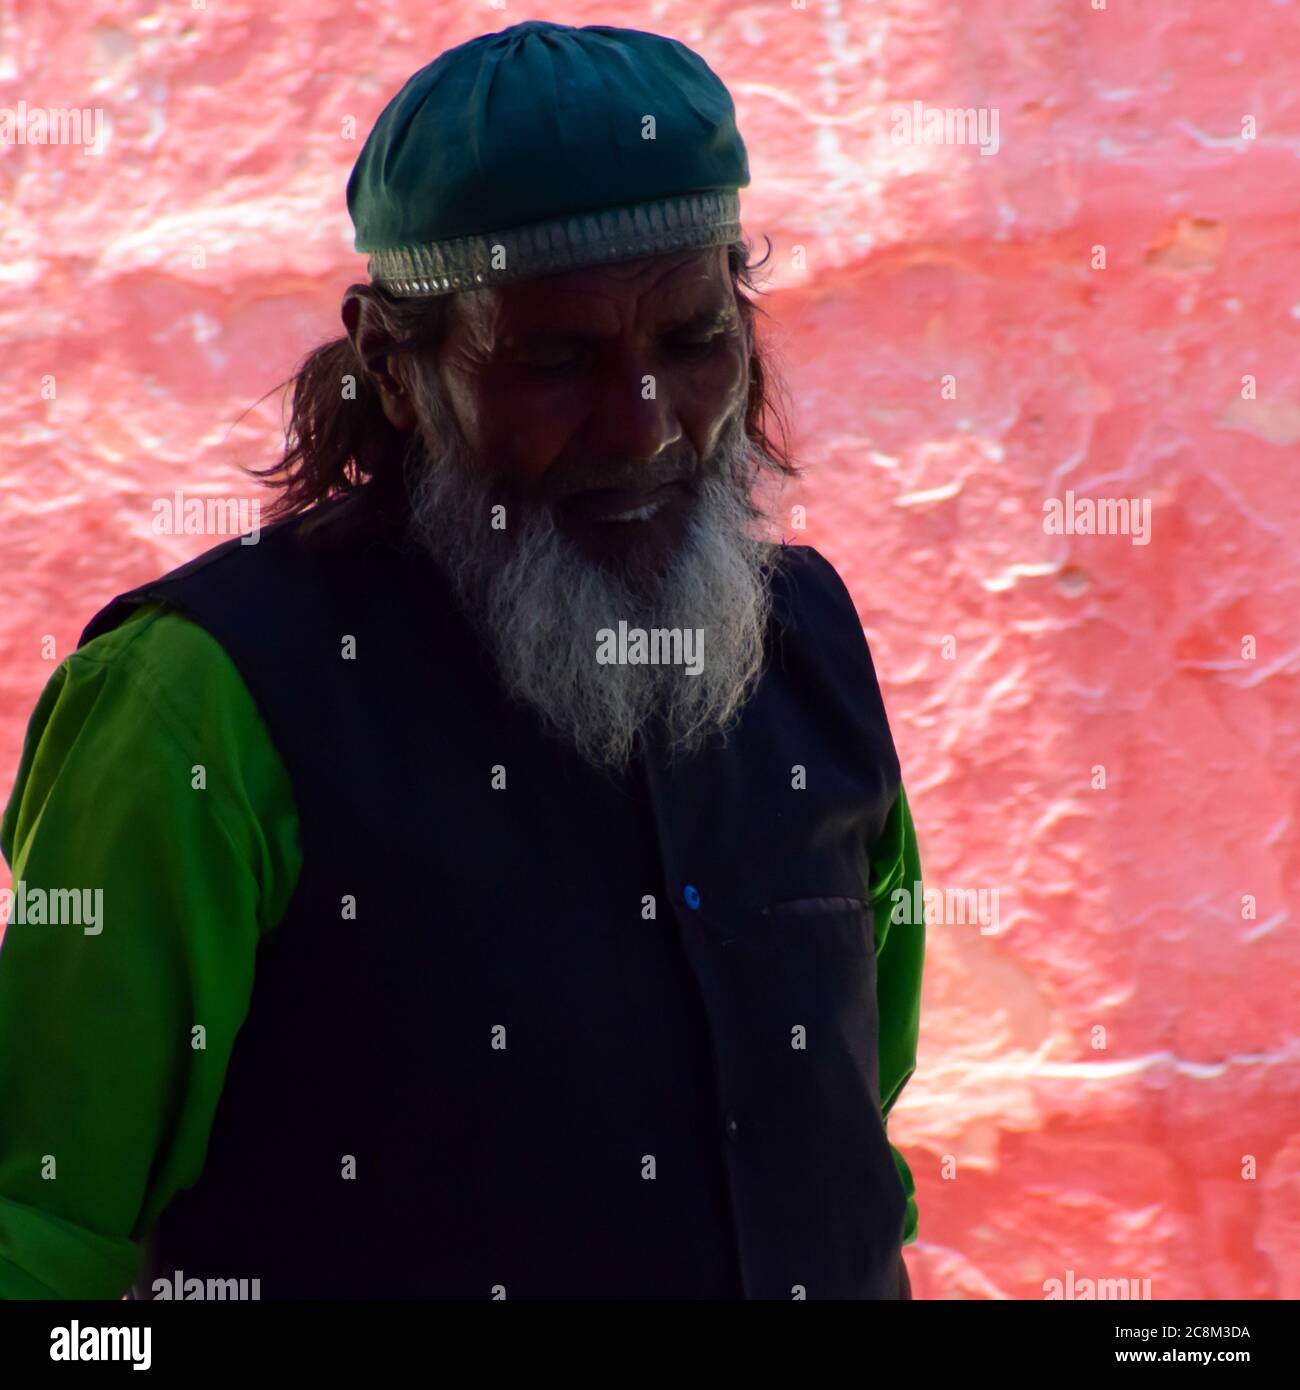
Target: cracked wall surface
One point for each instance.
(1104, 306)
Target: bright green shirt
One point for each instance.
(147, 772)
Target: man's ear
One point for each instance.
(369, 341)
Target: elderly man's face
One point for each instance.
(602, 391)
(579, 459)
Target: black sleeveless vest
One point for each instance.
(501, 1078)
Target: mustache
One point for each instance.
(556, 486)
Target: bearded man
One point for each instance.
(453, 948)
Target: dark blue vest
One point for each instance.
(543, 1092)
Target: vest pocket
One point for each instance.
(809, 907)
(805, 924)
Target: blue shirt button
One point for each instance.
(692, 895)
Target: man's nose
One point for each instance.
(632, 419)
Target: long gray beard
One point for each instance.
(538, 603)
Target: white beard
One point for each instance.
(538, 602)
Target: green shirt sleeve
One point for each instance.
(900, 956)
(147, 775)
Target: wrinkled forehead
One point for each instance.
(653, 291)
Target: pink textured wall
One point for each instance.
(1014, 662)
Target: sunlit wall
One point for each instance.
(1080, 306)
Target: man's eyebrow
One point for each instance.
(721, 316)
(701, 321)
